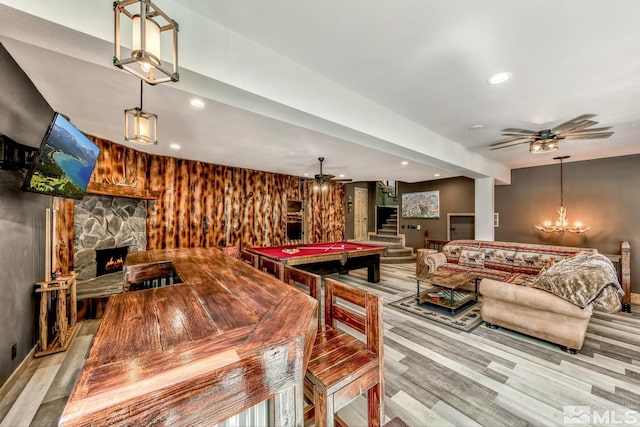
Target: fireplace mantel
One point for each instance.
(121, 191)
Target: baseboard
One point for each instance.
(13, 378)
(635, 299)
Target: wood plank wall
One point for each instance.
(204, 205)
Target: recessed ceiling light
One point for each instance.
(436, 174)
(500, 78)
(306, 174)
(341, 175)
(174, 146)
(476, 127)
(405, 163)
(198, 103)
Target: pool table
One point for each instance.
(328, 258)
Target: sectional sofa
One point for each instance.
(511, 276)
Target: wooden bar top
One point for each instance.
(194, 353)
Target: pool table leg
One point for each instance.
(373, 270)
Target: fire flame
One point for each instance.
(114, 264)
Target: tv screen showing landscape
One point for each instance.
(64, 163)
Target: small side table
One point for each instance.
(65, 324)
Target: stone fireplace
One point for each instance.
(106, 228)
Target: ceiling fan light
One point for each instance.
(535, 147)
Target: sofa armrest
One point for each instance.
(433, 261)
(531, 297)
(421, 265)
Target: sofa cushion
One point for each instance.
(499, 255)
(481, 272)
(453, 249)
(471, 258)
(532, 262)
(522, 279)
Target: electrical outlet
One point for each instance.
(14, 351)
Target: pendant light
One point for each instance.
(139, 126)
(148, 25)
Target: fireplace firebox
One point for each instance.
(110, 260)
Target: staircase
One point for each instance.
(397, 252)
(390, 226)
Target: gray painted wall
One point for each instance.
(457, 195)
(604, 194)
(371, 215)
(21, 265)
(24, 117)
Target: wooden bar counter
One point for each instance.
(196, 353)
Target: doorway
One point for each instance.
(461, 226)
(360, 209)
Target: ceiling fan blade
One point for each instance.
(566, 126)
(579, 126)
(512, 141)
(599, 135)
(514, 131)
(591, 130)
(512, 144)
(324, 176)
(342, 180)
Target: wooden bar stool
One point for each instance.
(341, 366)
(272, 267)
(249, 258)
(309, 283)
(232, 251)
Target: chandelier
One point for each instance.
(561, 225)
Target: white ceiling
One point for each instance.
(418, 69)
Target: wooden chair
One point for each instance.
(272, 267)
(233, 251)
(249, 258)
(307, 282)
(341, 366)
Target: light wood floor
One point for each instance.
(434, 375)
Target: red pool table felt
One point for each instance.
(317, 249)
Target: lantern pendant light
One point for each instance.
(139, 126)
(148, 25)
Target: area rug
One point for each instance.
(467, 319)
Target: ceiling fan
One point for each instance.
(547, 140)
(322, 179)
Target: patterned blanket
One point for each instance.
(583, 279)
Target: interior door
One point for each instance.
(460, 226)
(360, 210)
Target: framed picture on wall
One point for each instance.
(424, 204)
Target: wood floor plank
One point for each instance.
(424, 414)
(27, 404)
(436, 375)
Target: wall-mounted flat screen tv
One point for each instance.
(64, 162)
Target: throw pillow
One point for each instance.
(472, 259)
